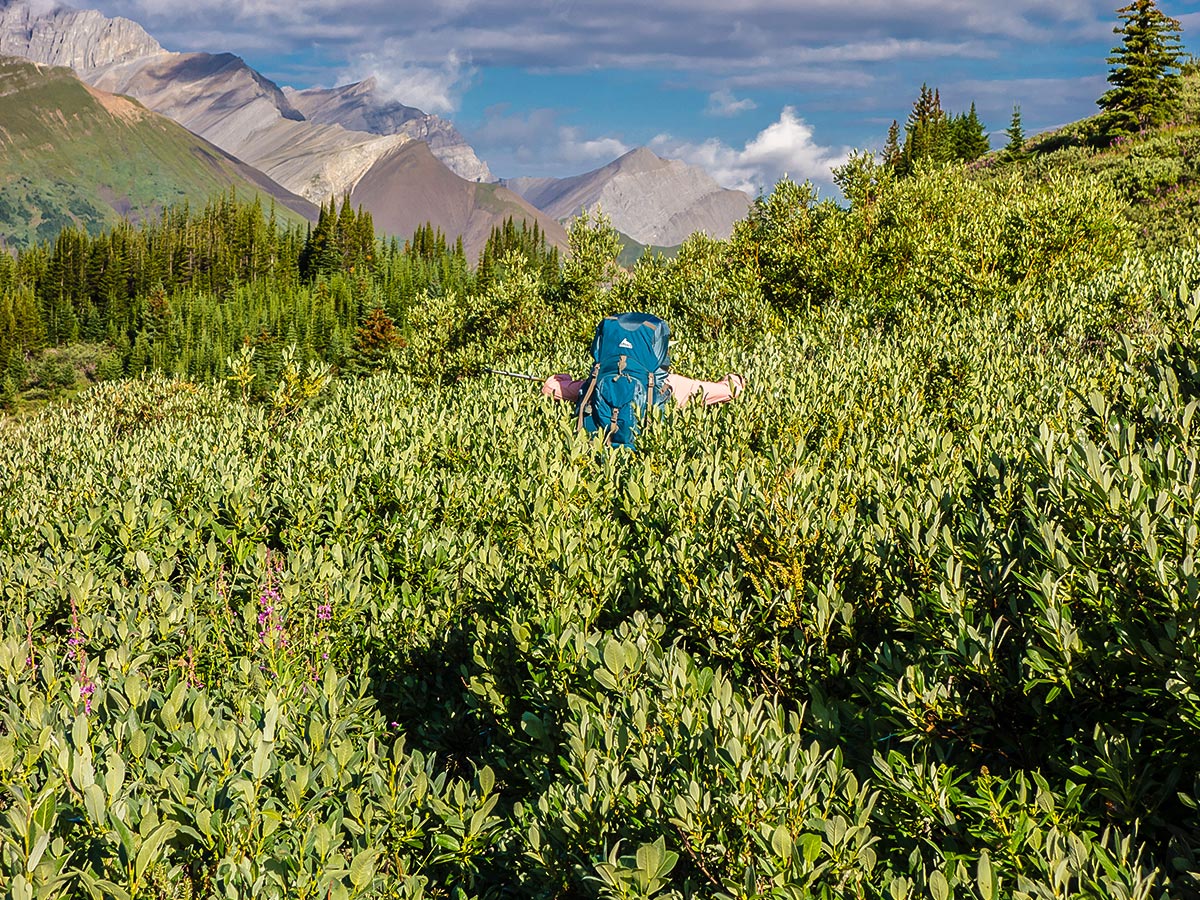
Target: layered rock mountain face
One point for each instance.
(81, 39)
(652, 200)
(363, 107)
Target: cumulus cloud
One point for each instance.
(433, 89)
(539, 137)
(786, 147)
(682, 35)
(724, 104)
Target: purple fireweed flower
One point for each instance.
(325, 612)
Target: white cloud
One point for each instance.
(433, 89)
(782, 148)
(724, 104)
(538, 137)
(746, 37)
(574, 146)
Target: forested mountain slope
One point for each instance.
(73, 155)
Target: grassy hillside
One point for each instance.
(1157, 171)
(632, 251)
(71, 155)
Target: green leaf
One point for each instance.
(649, 856)
(810, 846)
(47, 810)
(261, 764)
(79, 732)
(614, 656)
(114, 777)
(939, 888)
(362, 867)
(487, 780)
(124, 835)
(148, 853)
(986, 877)
(22, 888)
(35, 854)
(533, 726)
(93, 802)
(271, 822)
(781, 842)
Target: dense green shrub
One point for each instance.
(916, 617)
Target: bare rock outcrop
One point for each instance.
(362, 107)
(82, 40)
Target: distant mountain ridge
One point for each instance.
(224, 100)
(361, 107)
(71, 154)
(409, 187)
(650, 199)
(324, 142)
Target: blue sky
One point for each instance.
(750, 89)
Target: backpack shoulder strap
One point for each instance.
(587, 396)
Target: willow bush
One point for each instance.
(916, 616)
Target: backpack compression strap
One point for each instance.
(613, 425)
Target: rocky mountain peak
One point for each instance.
(640, 159)
(361, 106)
(83, 40)
(653, 200)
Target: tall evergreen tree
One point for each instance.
(968, 136)
(1145, 77)
(927, 132)
(892, 155)
(1016, 135)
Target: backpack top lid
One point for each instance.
(643, 339)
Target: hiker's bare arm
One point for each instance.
(684, 389)
(562, 387)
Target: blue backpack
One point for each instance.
(632, 354)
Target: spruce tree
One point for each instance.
(1145, 74)
(969, 137)
(892, 156)
(927, 131)
(1016, 135)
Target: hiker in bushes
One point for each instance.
(631, 374)
(682, 388)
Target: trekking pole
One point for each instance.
(514, 375)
